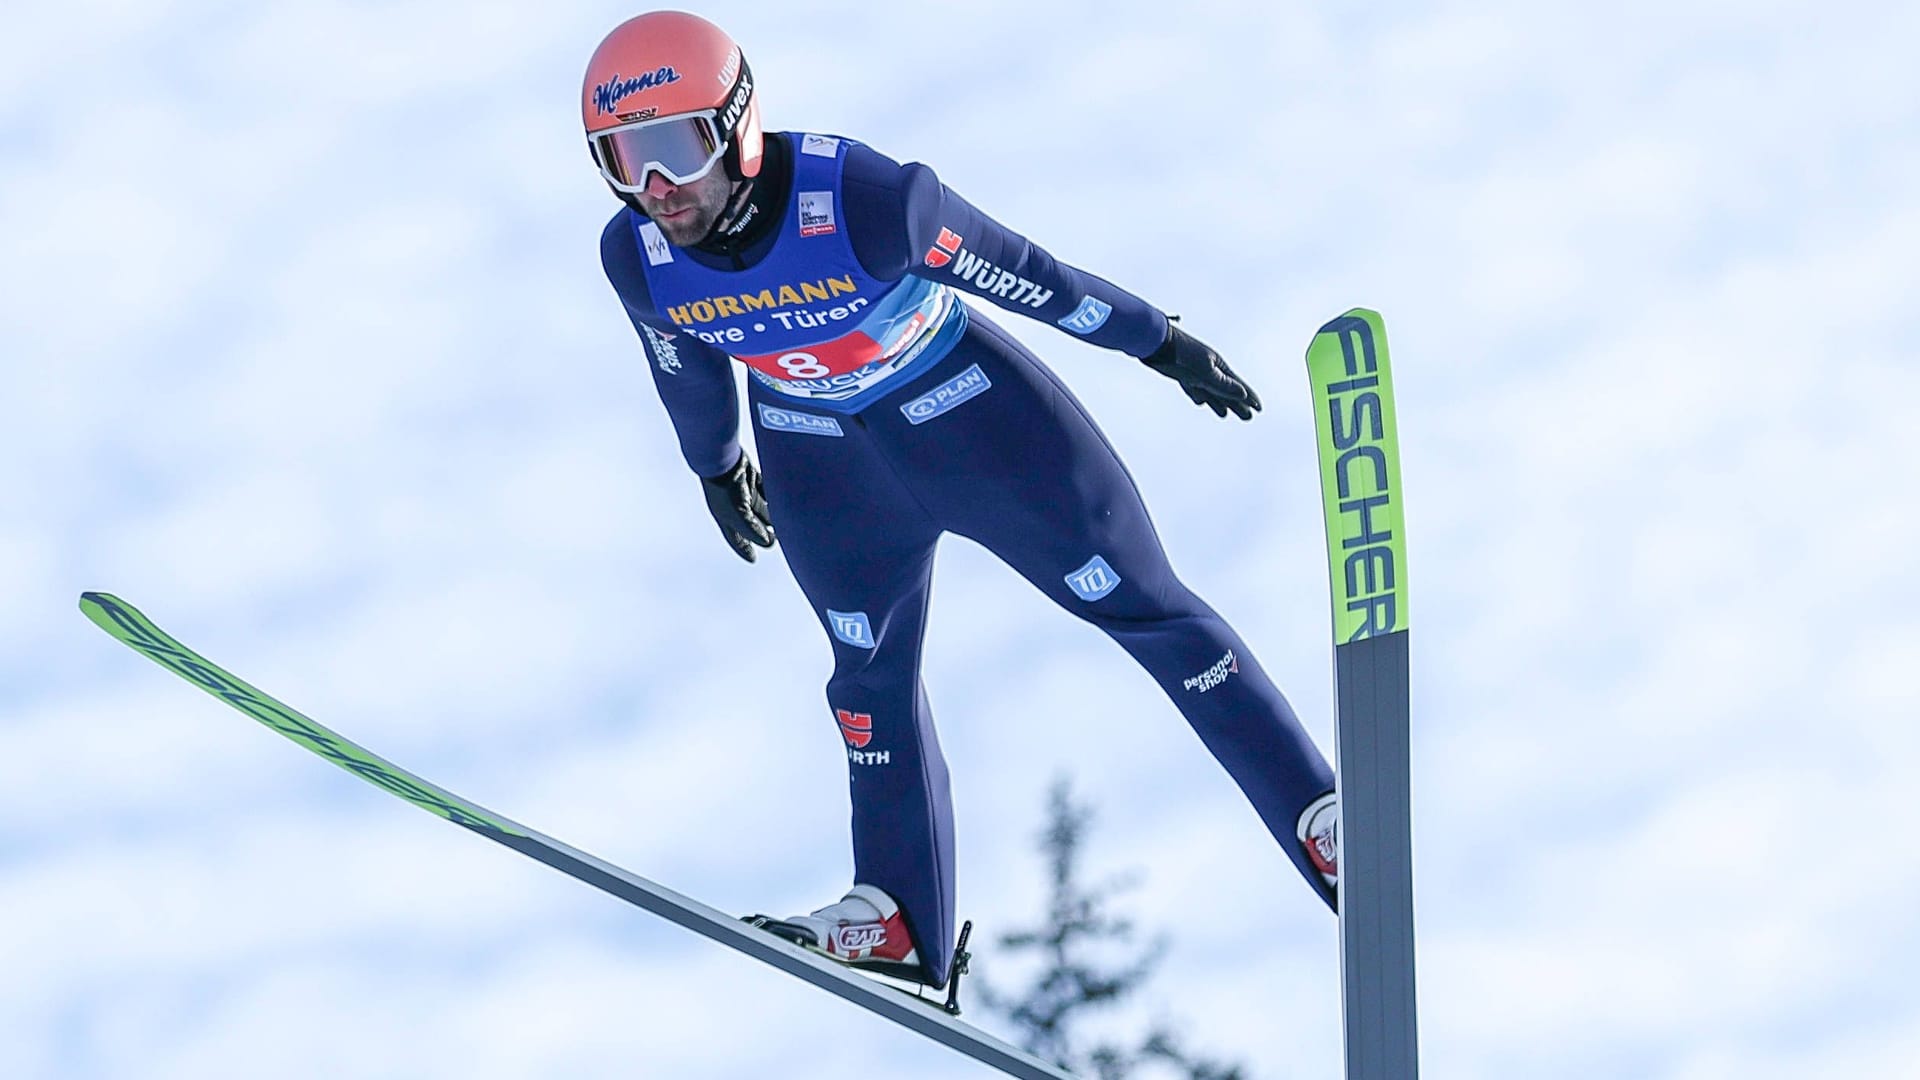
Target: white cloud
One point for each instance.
(306, 351)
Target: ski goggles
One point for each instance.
(680, 148)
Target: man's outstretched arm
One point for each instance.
(903, 220)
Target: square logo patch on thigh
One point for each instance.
(851, 627)
(1094, 580)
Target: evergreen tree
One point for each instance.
(1072, 983)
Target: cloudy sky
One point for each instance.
(305, 350)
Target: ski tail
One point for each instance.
(126, 623)
(1360, 476)
(1362, 497)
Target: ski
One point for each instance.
(916, 1014)
(1367, 563)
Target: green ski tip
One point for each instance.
(125, 622)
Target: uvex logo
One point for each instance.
(737, 105)
(944, 248)
(855, 727)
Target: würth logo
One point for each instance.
(944, 249)
(855, 727)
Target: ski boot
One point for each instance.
(864, 930)
(1319, 832)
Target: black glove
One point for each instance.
(740, 506)
(1202, 374)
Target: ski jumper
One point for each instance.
(890, 413)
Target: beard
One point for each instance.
(686, 229)
(688, 216)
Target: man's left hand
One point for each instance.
(1202, 374)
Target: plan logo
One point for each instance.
(944, 248)
(609, 94)
(798, 422)
(851, 627)
(855, 727)
(816, 213)
(1094, 580)
(1091, 315)
(948, 396)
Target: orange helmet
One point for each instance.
(671, 93)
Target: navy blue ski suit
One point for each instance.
(890, 413)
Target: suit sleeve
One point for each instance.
(694, 379)
(903, 220)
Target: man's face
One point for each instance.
(686, 213)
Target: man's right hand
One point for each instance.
(739, 506)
